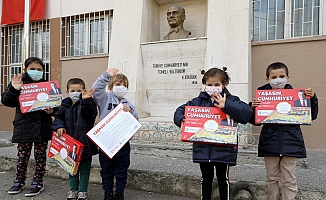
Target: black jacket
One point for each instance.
(77, 119)
(280, 139)
(238, 110)
(28, 127)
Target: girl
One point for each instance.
(208, 155)
(29, 128)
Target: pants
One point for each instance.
(222, 172)
(116, 167)
(79, 182)
(24, 153)
(281, 168)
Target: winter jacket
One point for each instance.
(281, 139)
(238, 110)
(77, 119)
(28, 127)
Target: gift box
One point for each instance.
(66, 151)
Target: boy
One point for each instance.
(279, 144)
(76, 116)
(107, 100)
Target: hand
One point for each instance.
(112, 71)
(220, 100)
(60, 131)
(87, 94)
(255, 103)
(49, 110)
(182, 122)
(309, 92)
(126, 108)
(16, 81)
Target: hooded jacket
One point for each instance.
(237, 109)
(28, 127)
(280, 139)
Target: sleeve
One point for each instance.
(237, 109)
(10, 97)
(314, 107)
(179, 113)
(252, 118)
(89, 108)
(99, 87)
(133, 111)
(59, 119)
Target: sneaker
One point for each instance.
(34, 190)
(17, 187)
(82, 196)
(72, 195)
(119, 196)
(108, 196)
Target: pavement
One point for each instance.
(167, 168)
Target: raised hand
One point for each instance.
(87, 94)
(16, 81)
(309, 92)
(220, 100)
(112, 71)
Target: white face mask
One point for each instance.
(213, 90)
(278, 83)
(74, 96)
(120, 91)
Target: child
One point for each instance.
(76, 116)
(281, 144)
(107, 100)
(209, 155)
(29, 128)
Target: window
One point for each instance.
(272, 17)
(86, 34)
(11, 51)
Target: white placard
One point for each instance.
(114, 131)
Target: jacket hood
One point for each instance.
(269, 87)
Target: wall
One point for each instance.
(306, 61)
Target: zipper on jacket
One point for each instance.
(280, 134)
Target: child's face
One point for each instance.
(214, 81)
(75, 88)
(34, 66)
(277, 73)
(118, 83)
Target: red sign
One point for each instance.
(37, 96)
(283, 106)
(208, 125)
(66, 151)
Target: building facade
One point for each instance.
(79, 39)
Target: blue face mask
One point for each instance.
(35, 75)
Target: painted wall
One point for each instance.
(306, 61)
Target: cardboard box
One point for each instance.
(208, 125)
(66, 151)
(283, 107)
(37, 96)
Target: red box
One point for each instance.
(62, 151)
(283, 106)
(37, 96)
(208, 125)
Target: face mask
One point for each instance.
(35, 75)
(120, 91)
(213, 90)
(74, 96)
(278, 83)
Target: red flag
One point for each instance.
(13, 11)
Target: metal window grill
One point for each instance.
(11, 49)
(86, 34)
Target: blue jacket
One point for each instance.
(238, 110)
(283, 140)
(77, 119)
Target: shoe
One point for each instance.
(108, 196)
(82, 196)
(72, 195)
(35, 189)
(17, 187)
(119, 196)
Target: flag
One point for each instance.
(13, 11)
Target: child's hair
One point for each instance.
(222, 74)
(275, 66)
(74, 81)
(121, 78)
(31, 60)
